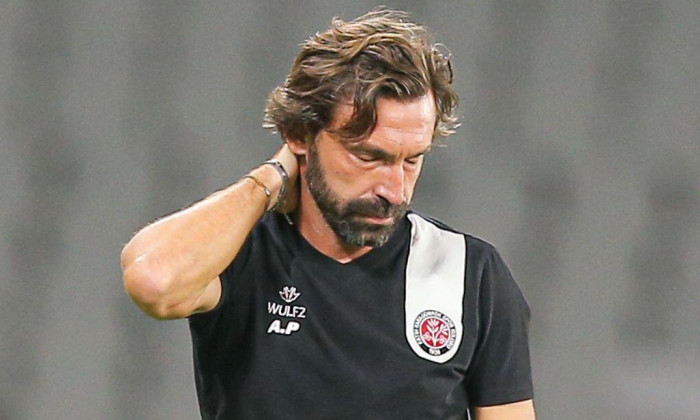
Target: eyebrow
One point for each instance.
(383, 154)
(423, 152)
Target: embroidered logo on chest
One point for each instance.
(286, 327)
(434, 332)
(289, 294)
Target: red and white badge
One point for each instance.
(434, 332)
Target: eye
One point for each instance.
(366, 157)
(413, 161)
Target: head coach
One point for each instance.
(311, 288)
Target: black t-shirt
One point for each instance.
(424, 327)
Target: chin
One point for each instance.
(372, 236)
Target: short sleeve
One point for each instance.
(500, 370)
(228, 284)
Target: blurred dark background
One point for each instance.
(578, 157)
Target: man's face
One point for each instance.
(362, 189)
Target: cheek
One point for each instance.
(410, 181)
(352, 179)
(342, 181)
(339, 174)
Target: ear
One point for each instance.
(298, 146)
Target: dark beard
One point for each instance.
(346, 219)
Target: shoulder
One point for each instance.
(270, 226)
(434, 243)
(270, 233)
(429, 228)
(270, 240)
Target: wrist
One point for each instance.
(270, 180)
(284, 182)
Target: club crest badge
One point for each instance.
(434, 332)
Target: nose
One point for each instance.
(391, 186)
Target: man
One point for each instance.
(310, 288)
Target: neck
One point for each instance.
(314, 228)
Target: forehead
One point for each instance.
(399, 122)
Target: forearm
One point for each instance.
(522, 410)
(169, 264)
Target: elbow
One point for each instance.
(148, 286)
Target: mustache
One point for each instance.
(378, 207)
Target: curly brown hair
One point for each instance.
(382, 54)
